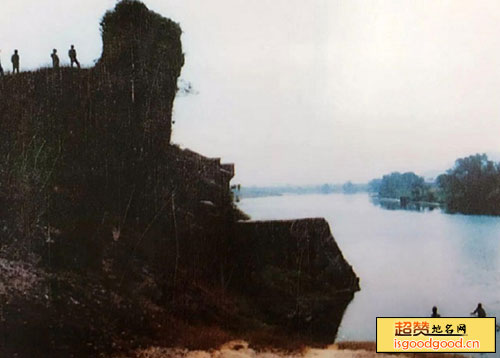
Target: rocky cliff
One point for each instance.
(296, 274)
(113, 238)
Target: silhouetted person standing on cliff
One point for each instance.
(55, 59)
(1, 68)
(72, 56)
(481, 313)
(435, 313)
(15, 62)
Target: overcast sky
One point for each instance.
(309, 91)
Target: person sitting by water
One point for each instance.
(479, 311)
(435, 313)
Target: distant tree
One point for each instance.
(374, 185)
(349, 188)
(326, 189)
(396, 185)
(472, 186)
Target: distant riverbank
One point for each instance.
(246, 192)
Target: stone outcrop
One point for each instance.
(296, 274)
(126, 240)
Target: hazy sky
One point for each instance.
(309, 91)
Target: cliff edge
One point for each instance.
(112, 238)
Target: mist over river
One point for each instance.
(407, 261)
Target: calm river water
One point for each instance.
(407, 261)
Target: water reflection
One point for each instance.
(403, 204)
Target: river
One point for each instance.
(407, 261)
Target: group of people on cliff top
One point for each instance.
(55, 60)
(479, 311)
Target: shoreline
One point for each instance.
(241, 349)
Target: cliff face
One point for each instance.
(296, 274)
(93, 136)
(111, 237)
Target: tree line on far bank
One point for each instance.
(471, 186)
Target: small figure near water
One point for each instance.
(481, 313)
(55, 59)
(15, 62)
(435, 313)
(72, 56)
